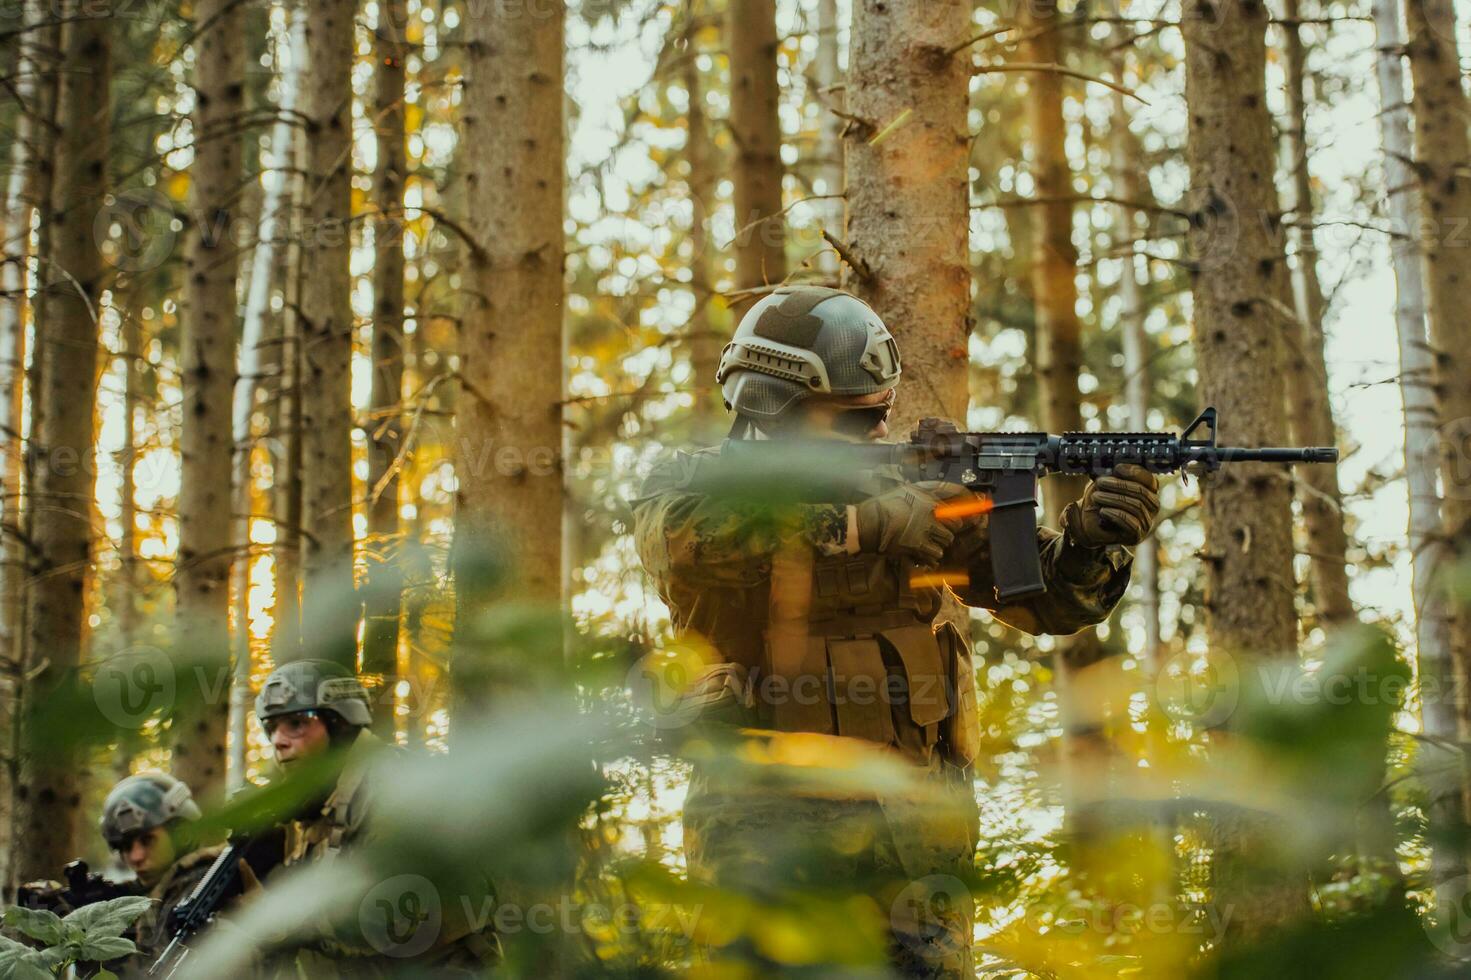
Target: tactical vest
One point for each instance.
(850, 648)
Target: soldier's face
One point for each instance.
(863, 417)
(298, 736)
(149, 853)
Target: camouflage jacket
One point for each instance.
(150, 933)
(760, 583)
(343, 823)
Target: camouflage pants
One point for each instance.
(905, 860)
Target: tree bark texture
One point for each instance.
(760, 243)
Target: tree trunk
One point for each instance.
(385, 436)
(1058, 356)
(289, 502)
(1057, 361)
(1240, 274)
(699, 153)
(273, 226)
(52, 776)
(202, 578)
(1310, 413)
(326, 335)
(15, 235)
(760, 243)
(1417, 371)
(827, 76)
(510, 495)
(1126, 168)
(128, 584)
(1441, 151)
(15, 232)
(908, 206)
(510, 428)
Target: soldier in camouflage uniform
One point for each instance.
(839, 598)
(146, 818)
(308, 708)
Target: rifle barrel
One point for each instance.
(1274, 454)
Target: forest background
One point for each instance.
(367, 364)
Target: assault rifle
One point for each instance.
(82, 887)
(1003, 466)
(193, 915)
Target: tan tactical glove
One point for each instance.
(901, 522)
(1116, 509)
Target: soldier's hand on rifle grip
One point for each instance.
(1118, 508)
(902, 522)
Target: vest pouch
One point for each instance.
(925, 703)
(960, 734)
(861, 692)
(796, 691)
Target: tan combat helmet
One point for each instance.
(802, 341)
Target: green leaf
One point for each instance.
(109, 918)
(23, 967)
(54, 958)
(9, 947)
(41, 925)
(105, 948)
(104, 975)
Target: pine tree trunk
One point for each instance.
(827, 76)
(1126, 168)
(128, 584)
(15, 233)
(1310, 414)
(760, 244)
(510, 498)
(1057, 362)
(326, 336)
(510, 428)
(51, 782)
(1058, 357)
(1417, 370)
(1442, 148)
(271, 229)
(202, 577)
(1241, 273)
(385, 437)
(41, 46)
(699, 153)
(908, 205)
(289, 502)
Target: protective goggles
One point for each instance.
(293, 725)
(860, 420)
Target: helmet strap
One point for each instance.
(741, 428)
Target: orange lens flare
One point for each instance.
(954, 578)
(960, 507)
